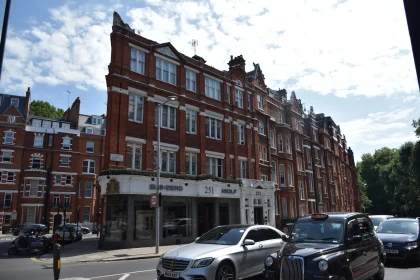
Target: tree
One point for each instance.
(45, 109)
(416, 125)
(364, 199)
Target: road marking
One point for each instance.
(125, 276)
(133, 272)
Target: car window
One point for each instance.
(318, 231)
(269, 234)
(398, 227)
(366, 228)
(222, 236)
(254, 234)
(353, 228)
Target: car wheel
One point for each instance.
(225, 271)
(381, 274)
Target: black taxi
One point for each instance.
(334, 246)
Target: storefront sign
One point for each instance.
(167, 187)
(216, 191)
(228, 191)
(117, 157)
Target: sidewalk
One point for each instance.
(87, 251)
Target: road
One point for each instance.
(23, 268)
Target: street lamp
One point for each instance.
(157, 224)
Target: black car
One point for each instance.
(400, 237)
(334, 246)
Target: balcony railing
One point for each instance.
(60, 205)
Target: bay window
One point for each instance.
(280, 143)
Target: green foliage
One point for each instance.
(391, 180)
(416, 125)
(45, 109)
(365, 201)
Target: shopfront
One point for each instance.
(189, 209)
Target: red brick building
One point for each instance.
(226, 131)
(48, 165)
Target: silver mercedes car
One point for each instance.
(223, 253)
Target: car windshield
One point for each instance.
(318, 231)
(377, 220)
(222, 236)
(398, 227)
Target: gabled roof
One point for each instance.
(6, 103)
(169, 50)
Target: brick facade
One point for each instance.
(49, 172)
(224, 102)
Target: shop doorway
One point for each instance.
(205, 217)
(258, 216)
(224, 215)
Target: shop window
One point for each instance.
(176, 217)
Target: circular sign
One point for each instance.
(153, 200)
(14, 215)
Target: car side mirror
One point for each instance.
(284, 237)
(356, 239)
(248, 242)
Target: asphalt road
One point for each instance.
(23, 268)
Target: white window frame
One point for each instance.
(259, 102)
(168, 161)
(38, 141)
(241, 134)
(282, 172)
(265, 153)
(67, 201)
(57, 179)
(249, 101)
(298, 144)
(191, 122)
(8, 197)
(88, 166)
(296, 124)
(11, 119)
(274, 172)
(89, 130)
(55, 125)
(272, 140)
(308, 155)
(36, 123)
(288, 147)
(90, 195)
(165, 69)
(191, 163)
(14, 101)
(261, 128)
(239, 98)
(212, 88)
(191, 80)
(213, 165)
(166, 111)
(90, 149)
(228, 94)
(302, 190)
(33, 187)
(40, 162)
(65, 161)
(84, 213)
(65, 125)
(139, 58)
(66, 146)
(280, 143)
(135, 108)
(290, 174)
(46, 124)
(264, 177)
(316, 154)
(280, 117)
(311, 181)
(217, 124)
(315, 134)
(242, 168)
(10, 174)
(7, 155)
(32, 215)
(9, 135)
(299, 164)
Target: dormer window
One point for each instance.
(11, 119)
(89, 130)
(55, 125)
(65, 125)
(14, 101)
(36, 123)
(46, 124)
(96, 120)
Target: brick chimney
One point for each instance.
(72, 114)
(27, 102)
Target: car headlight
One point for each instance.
(202, 263)
(411, 245)
(269, 261)
(160, 259)
(323, 265)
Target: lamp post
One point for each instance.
(157, 224)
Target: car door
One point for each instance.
(355, 249)
(251, 260)
(370, 247)
(270, 241)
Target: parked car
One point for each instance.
(176, 227)
(39, 228)
(377, 219)
(68, 233)
(401, 238)
(85, 230)
(340, 246)
(224, 252)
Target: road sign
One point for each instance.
(153, 200)
(14, 215)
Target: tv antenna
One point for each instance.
(194, 43)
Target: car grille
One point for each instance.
(175, 265)
(292, 268)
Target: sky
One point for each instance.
(349, 59)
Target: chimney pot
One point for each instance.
(231, 57)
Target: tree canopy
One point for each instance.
(45, 109)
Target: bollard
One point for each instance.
(56, 261)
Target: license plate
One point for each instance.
(391, 251)
(174, 275)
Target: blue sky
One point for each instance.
(350, 59)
